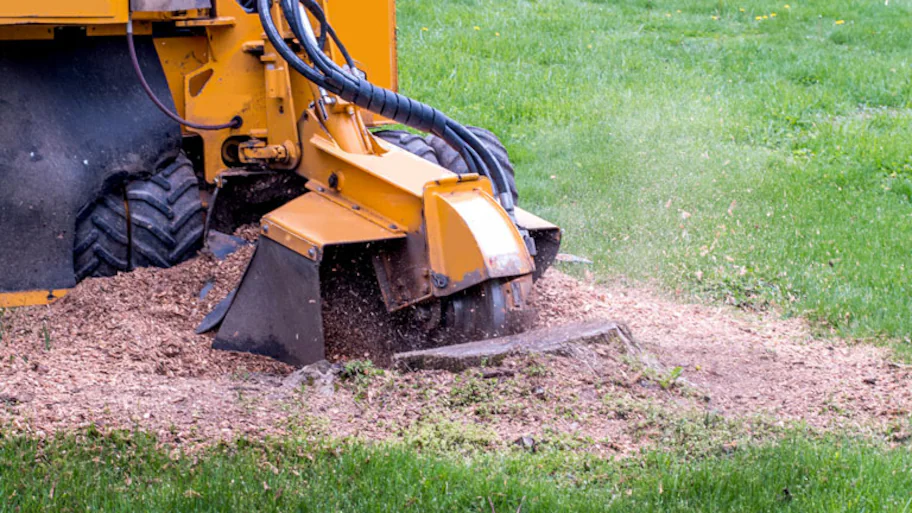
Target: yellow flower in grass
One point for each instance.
(476, 27)
(741, 9)
(772, 15)
(424, 29)
(840, 22)
(758, 18)
(715, 17)
(787, 6)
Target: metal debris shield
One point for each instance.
(276, 310)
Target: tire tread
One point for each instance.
(452, 160)
(167, 216)
(164, 226)
(414, 144)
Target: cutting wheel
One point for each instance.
(356, 321)
(489, 310)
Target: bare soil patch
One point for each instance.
(121, 353)
(747, 362)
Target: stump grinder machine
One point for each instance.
(132, 131)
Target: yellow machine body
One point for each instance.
(448, 232)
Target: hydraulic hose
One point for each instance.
(328, 75)
(327, 29)
(235, 122)
(474, 153)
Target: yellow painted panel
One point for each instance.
(470, 237)
(181, 57)
(42, 9)
(25, 32)
(368, 30)
(30, 298)
(399, 167)
(312, 220)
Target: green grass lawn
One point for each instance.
(753, 151)
(128, 473)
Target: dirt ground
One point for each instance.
(121, 353)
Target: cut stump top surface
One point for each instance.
(540, 341)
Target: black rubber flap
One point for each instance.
(547, 246)
(214, 319)
(74, 125)
(276, 311)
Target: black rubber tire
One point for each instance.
(167, 217)
(164, 228)
(414, 144)
(452, 160)
(102, 239)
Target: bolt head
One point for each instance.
(439, 280)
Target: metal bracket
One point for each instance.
(256, 151)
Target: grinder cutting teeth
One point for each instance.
(378, 239)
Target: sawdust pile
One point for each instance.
(139, 322)
(121, 352)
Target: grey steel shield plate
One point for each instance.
(276, 311)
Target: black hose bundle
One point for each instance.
(347, 85)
